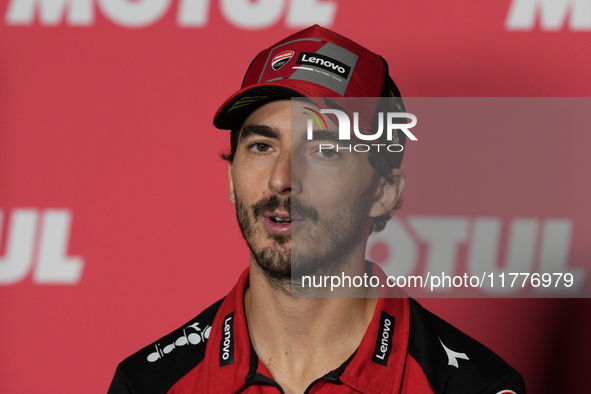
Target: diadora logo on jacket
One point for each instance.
(453, 356)
(192, 335)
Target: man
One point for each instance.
(306, 203)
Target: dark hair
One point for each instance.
(380, 161)
(229, 155)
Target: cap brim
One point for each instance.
(235, 109)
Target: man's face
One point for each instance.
(298, 208)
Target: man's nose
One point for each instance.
(281, 181)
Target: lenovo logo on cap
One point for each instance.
(281, 59)
(324, 62)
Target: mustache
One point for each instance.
(292, 206)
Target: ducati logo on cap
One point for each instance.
(281, 59)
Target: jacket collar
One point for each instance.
(376, 367)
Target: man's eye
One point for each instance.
(260, 147)
(328, 153)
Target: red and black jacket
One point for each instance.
(406, 349)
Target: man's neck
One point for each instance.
(302, 339)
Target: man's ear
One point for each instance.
(387, 194)
(231, 195)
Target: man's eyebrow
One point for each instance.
(257, 129)
(322, 135)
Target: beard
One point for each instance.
(274, 261)
(322, 251)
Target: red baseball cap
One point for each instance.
(314, 62)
